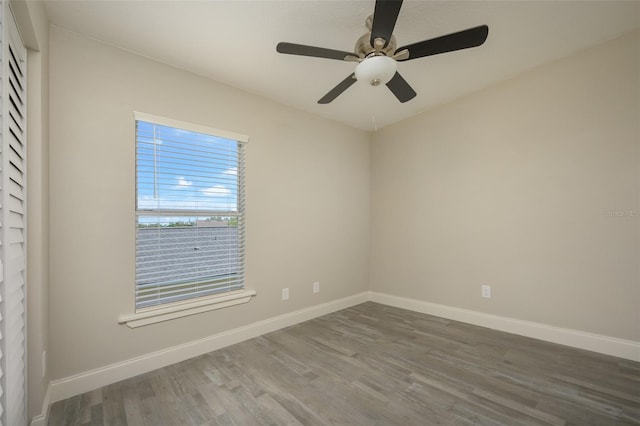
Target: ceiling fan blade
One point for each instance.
(448, 43)
(316, 52)
(385, 16)
(401, 88)
(337, 91)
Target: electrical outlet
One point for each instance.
(285, 293)
(486, 291)
(316, 287)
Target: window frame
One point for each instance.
(192, 305)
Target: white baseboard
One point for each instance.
(43, 418)
(621, 348)
(89, 380)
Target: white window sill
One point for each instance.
(183, 309)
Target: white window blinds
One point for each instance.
(190, 211)
(12, 226)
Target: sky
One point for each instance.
(183, 170)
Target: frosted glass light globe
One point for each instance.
(376, 70)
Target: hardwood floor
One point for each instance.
(373, 365)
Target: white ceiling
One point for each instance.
(234, 42)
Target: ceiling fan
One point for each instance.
(377, 55)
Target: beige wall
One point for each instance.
(34, 30)
(307, 201)
(517, 186)
(514, 187)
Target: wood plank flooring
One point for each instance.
(373, 365)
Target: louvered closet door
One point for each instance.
(12, 225)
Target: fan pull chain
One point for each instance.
(373, 98)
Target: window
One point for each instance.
(189, 211)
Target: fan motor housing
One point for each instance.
(364, 49)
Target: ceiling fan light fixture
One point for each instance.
(376, 70)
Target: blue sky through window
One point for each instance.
(185, 170)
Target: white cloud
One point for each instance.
(216, 191)
(182, 182)
(231, 172)
(213, 201)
